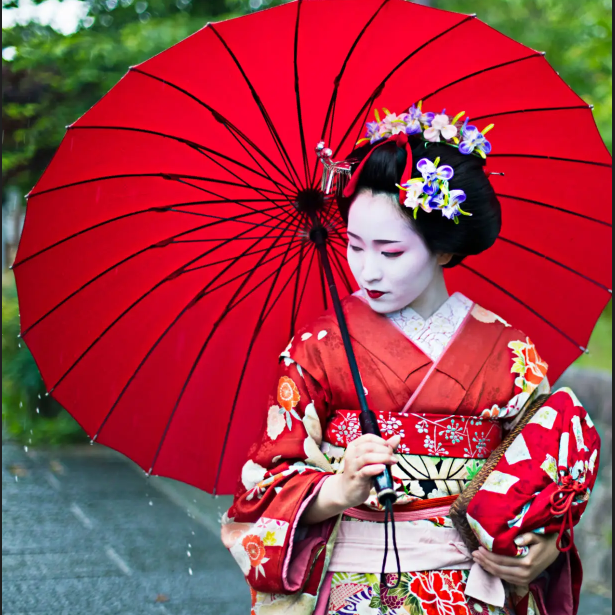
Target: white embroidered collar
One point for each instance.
(433, 335)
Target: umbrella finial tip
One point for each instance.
(585, 350)
(611, 290)
(473, 14)
(543, 53)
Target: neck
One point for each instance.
(433, 298)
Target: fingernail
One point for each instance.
(519, 541)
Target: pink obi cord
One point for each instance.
(360, 549)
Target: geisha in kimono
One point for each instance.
(447, 379)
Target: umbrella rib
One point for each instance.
(525, 305)
(535, 110)
(143, 251)
(286, 196)
(189, 305)
(162, 209)
(258, 164)
(323, 284)
(219, 118)
(554, 207)
(255, 224)
(259, 324)
(340, 268)
(198, 358)
(191, 144)
(259, 103)
(297, 304)
(235, 258)
(605, 165)
(291, 210)
(556, 262)
(306, 165)
(378, 91)
(167, 176)
(305, 283)
(247, 184)
(296, 290)
(483, 71)
(337, 81)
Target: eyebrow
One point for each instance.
(382, 242)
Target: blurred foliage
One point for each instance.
(27, 414)
(601, 345)
(52, 79)
(577, 36)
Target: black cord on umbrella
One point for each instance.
(389, 517)
(383, 483)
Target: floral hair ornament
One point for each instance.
(432, 191)
(433, 128)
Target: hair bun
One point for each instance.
(474, 233)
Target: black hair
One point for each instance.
(473, 235)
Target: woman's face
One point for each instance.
(386, 255)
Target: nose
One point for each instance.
(372, 272)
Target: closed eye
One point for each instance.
(356, 248)
(392, 254)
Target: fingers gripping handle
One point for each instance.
(383, 482)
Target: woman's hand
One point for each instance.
(521, 571)
(365, 458)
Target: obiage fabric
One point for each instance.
(449, 386)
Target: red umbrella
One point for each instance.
(166, 257)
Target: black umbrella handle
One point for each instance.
(383, 483)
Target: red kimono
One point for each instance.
(448, 386)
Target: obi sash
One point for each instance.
(359, 548)
(434, 435)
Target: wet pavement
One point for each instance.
(83, 532)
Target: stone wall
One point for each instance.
(595, 533)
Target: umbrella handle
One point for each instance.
(383, 482)
(369, 424)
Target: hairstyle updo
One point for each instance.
(473, 235)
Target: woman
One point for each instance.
(445, 378)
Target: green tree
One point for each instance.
(577, 37)
(53, 79)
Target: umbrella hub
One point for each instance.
(310, 201)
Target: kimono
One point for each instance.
(449, 386)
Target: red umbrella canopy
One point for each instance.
(164, 263)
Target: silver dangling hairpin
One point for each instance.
(335, 173)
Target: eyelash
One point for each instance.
(385, 254)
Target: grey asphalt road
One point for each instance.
(83, 532)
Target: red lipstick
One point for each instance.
(374, 294)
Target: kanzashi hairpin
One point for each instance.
(334, 172)
(432, 191)
(433, 128)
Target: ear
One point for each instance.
(444, 259)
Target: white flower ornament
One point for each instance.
(441, 125)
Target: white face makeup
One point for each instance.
(386, 255)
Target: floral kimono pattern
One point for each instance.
(448, 386)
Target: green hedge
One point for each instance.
(28, 416)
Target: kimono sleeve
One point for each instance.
(544, 480)
(283, 474)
